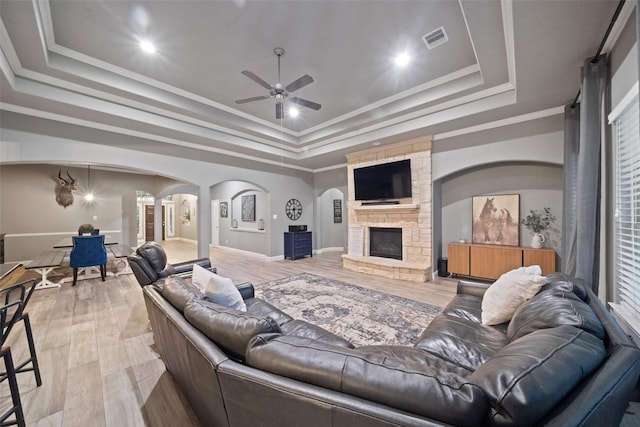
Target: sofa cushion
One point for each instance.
(413, 355)
(179, 292)
(566, 283)
(229, 328)
(506, 294)
(301, 328)
(465, 306)
(551, 308)
(260, 308)
(407, 385)
(461, 341)
(530, 375)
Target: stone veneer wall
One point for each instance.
(412, 214)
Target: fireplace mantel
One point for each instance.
(399, 208)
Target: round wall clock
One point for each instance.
(293, 209)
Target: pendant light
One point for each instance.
(89, 196)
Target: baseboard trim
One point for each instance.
(249, 253)
(330, 249)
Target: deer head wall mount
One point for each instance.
(64, 189)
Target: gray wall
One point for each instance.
(186, 230)
(34, 221)
(129, 218)
(539, 186)
(246, 236)
(180, 175)
(523, 158)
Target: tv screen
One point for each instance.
(384, 181)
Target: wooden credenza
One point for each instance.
(491, 261)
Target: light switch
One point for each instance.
(95, 217)
(275, 216)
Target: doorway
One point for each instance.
(149, 217)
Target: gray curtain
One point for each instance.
(571, 144)
(581, 205)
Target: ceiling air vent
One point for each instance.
(435, 38)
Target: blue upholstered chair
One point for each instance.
(88, 251)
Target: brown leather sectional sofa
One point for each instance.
(561, 361)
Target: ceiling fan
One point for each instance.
(279, 91)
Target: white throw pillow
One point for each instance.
(217, 289)
(221, 290)
(505, 295)
(200, 276)
(531, 270)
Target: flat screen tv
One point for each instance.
(384, 181)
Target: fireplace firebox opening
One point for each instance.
(385, 242)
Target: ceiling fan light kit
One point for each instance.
(280, 92)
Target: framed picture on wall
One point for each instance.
(224, 209)
(185, 218)
(496, 219)
(248, 208)
(337, 211)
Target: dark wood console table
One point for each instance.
(298, 244)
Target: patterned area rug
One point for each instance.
(363, 316)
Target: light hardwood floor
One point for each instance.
(98, 361)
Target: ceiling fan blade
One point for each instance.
(305, 103)
(255, 98)
(279, 110)
(257, 79)
(301, 82)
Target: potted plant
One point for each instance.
(537, 222)
(85, 228)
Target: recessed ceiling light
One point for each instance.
(293, 112)
(402, 60)
(147, 46)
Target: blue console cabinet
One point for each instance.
(297, 245)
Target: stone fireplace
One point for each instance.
(371, 249)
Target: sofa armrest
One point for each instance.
(142, 270)
(246, 290)
(469, 287)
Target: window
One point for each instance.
(627, 207)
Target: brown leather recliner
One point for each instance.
(149, 264)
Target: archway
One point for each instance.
(241, 216)
(332, 221)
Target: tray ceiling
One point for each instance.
(79, 64)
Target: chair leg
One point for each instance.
(75, 276)
(32, 349)
(15, 393)
(103, 271)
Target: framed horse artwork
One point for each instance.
(496, 219)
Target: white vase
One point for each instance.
(537, 241)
